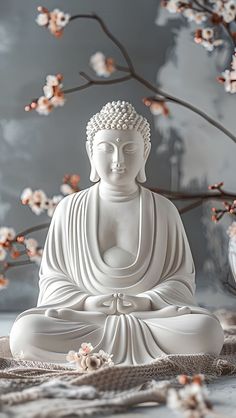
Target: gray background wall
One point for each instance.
(36, 151)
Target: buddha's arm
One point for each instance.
(56, 284)
(176, 284)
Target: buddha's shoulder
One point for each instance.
(68, 200)
(162, 201)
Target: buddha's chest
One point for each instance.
(118, 231)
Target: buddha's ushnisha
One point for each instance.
(117, 270)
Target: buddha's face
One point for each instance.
(118, 155)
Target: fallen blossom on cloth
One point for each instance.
(191, 400)
(86, 360)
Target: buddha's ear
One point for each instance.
(147, 149)
(141, 177)
(88, 149)
(94, 177)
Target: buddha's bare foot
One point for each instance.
(183, 310)
(51, 312)
(172, 310)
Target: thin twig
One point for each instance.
(98, 83)
(32, 229)
(223, 195)
(203, 7)
(18, 263)
(187, 105)
(109, 34)
(226, 27)
(191, 206)
(140, 79)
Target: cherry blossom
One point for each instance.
(86, 360)
(185, 8)
(228, 77)
(55, 20)
(39, 202)
(36, 200)
(3, 254)
(33, 251)
(225, 8)
(157, 107)
(192, 399)
(205, 37)
(66, 189)
(175, 6)
(6, 236)
(53, 96)
(53, 204)
(193, 16)
(70, 184)
(3, 282)
(102, 66)
(85, 348)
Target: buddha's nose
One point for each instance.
(118, 159)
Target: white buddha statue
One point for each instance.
(117, 270)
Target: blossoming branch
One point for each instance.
(14, 246)
(218, 18)
(103, 66)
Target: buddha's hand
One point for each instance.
(127, 304)
(101, 303)
(171, 311)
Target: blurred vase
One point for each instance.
(232, 255)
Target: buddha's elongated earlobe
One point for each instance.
(141, 176)
(94, 177)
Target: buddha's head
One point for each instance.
(118, 144)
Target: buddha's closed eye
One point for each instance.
(130, 148)
(105, 147)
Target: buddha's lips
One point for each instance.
(118, 170)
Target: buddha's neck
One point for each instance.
(118, 193)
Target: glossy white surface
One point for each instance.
(117, 270)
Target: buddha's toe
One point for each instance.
(52, 313)
(183, 310)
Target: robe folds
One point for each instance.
(72, 269)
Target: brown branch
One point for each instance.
(32, 229)
(226, 27)
(140, 79)
(191, 206)
(109, 35)
(223, 195)
(166, 96)
(203, 7)
(187, 105)
(9, 265)
(97, 83)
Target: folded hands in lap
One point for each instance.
(118, 304)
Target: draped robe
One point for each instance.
(72, 269)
